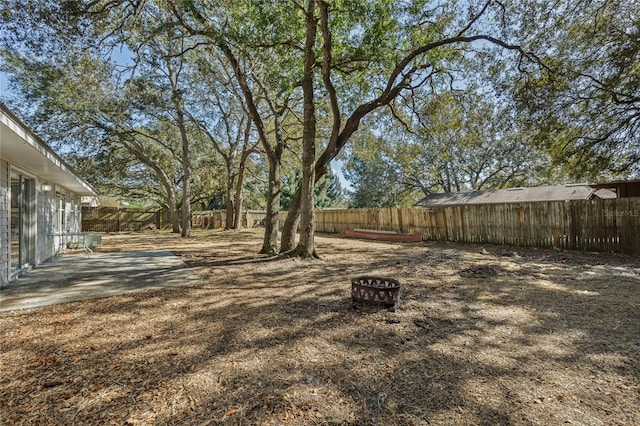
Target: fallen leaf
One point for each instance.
(232, 412)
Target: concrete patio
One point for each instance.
(81, 276)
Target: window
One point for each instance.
(22, 221)
(60, 212)
(74, 213)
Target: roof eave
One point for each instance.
(23, 148)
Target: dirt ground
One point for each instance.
(482, 335)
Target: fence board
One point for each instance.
(596, 225)
(116, 219)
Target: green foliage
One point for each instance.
(328, 192)
(486, 124)
(447, 142)
(374, 183)
(585, 110)
(475, 145)
(376, 180)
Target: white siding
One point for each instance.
(4, 222)
(49, 212)
(25, 153)
(75, 212)
(46, 225)
(46, 245)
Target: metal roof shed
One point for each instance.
(566, 192)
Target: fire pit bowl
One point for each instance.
(376, 291)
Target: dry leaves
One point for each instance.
(552, 339)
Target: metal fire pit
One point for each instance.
(376, 291)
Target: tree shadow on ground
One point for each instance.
(542, 342)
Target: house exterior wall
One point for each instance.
(4, 222)
(47, 223)
(26, 163)
(72, 223)
(73, 212)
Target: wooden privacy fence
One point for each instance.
(596, 225)
(217, 219)
(116, 219)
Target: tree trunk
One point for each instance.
(172, 203)
(270, 243)
(305, 246)
(174, 214)
(237, 220)
(229, 213)
(237, 214)
(165, 181)
(186, 169)
(290, 227)
(274, 154)
(186, 206)
(228, 220)
(292, 221)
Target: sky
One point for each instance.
(4, 86)
(336, 165)
(124, 56)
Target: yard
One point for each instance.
(482, 335)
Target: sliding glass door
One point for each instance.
(15, 222)
(22, 221)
